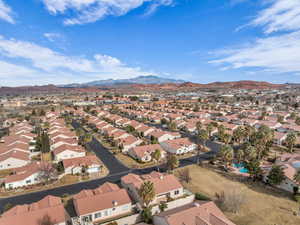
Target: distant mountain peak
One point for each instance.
(143, 79)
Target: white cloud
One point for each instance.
(47, 64)
(89, 11)
(8, 70)
(53, 36)
(6, 12)
(275, 52)
(280, 15)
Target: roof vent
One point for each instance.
(196, 204)
(115, 203)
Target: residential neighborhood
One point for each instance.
(150, 112)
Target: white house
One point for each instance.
(179, 146)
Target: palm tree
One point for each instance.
(249, 153)
(198, 126)
(290, 141)
(238, 134)
(203, 136)
(240, 155)
(156, 155)
(226, 154)
(209, 129)
(147, 193)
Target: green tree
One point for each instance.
(147, 193)
(276, 175)
(198, 126)
(254, 170)
(297, 176)
(172, 162)
(203, 136)
(226, 154)
(280, 119)
(238, 134)
(163, 206)
(240, 156)
(297, 120)
(249, 152)
(209, 129)
(147, 215)
(290, 141)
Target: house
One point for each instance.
(61, 141)
(105, 202)
(144, 152)
(179, 146)
(145, 130)
(24, 176)
(88, 164)
(13, 159)
(32, 214)
(129, 142)
(163, 135)
(290, 164)
(166, 186)
(279, 138)
(196, 213)
(270, 124)
(67, 152)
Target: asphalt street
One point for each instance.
(116, 168)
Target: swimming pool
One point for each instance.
(241, 167)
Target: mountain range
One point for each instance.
(142, 83)
(151, 79)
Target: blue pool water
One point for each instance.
(241, 167)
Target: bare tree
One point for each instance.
(231, 200)
(184, 175)
(46, 220)
(47, 172)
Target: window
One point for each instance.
(97, 215)
(28, 181)
(176, 192)
(105, 213)
(113, 209)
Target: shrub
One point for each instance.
(147, 215)
(200, 196)
(297, 197)
(7, 207)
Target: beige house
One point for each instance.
(32, 214)
(166, 186)
(105, 202)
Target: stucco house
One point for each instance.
(178, 146)
(33, 214)
(105, 202)
(166, 186)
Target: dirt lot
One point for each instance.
(263, 206)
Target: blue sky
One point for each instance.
(66, 41)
